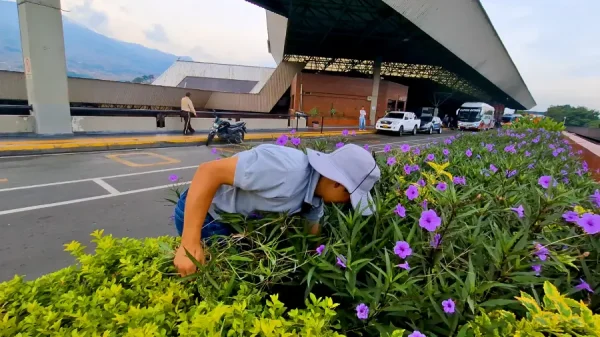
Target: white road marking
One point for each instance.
(106, 186)
(75, 201)
(92, 179)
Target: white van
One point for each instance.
(399, 122)
(475, 116)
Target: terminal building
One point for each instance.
(332, 57)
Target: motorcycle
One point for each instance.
(232, 133)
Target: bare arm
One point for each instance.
(207, 180)
(191, 105)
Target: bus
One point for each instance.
(475, 116)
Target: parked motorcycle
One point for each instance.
(229, 132)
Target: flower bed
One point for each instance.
(461, 227)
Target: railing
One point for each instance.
(590, 133)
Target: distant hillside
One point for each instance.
(89, 54)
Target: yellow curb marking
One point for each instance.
(104, 142)
(118, 158)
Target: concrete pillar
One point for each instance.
(45, 66)
(375, 92)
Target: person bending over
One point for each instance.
(270, 178)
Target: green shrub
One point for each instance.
(127, 288)
(557, 315)
(537, 122)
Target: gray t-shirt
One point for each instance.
(270, 178)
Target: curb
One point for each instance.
(40, 147)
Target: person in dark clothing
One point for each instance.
(187, 110)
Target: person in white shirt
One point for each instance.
(362, 119)
(187, 109)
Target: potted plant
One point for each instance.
(314, 112)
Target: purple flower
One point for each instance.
(366, 147)
(405, 148)
(555, 153)
(510, 148)
(511, 173)
(387, 148)
(435, 242)
(541, 252)
(362, 311)
(531, 166)
(584, 286)
(563, 172)
(449, 306)
(339, 145)
(293, 132)
(571, 216)
(431, 157)
(404, 266)
(320, 250)
(412, 192)
(391, 161)
(173, 178)
(430, 220)
(345, 133)
(447, 141)
(353, 133)
(490, 147)
(416, 333)
(469, 153)
(341, 261)
(441, 186)
(296, 141)
(545, 181)
(527, 154)
(421, 183)
(519, 210)
(565, 180)
(402, 249)
(282, 140)
(213, 151)
(537, 268)
(459, 180)
(493, 168)
(590, 223)
(424, 204)
(400, 211)
(417, 151)
(536, 140)
(446, 152)
(407, 169)
(415, 167)
(596, 198)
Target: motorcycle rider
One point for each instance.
(270, 178)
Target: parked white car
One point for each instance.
(400, 122)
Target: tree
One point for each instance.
(575, 116)
(146, 79)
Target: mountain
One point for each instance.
(88, 53)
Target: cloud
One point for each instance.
(157, 33)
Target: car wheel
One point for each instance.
(401, 131)
(440, 131)
(414, 131)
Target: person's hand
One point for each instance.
(194, 113)
(182, 262)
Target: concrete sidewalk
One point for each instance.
(29, 146)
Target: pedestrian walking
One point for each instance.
(362, 119)
(187, 110)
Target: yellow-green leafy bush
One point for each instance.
(557, 315)
(125, 289)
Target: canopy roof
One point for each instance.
(449, 42)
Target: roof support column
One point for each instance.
(45, 66)
(375, 92)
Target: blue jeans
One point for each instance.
(210, 227)
(362, 121)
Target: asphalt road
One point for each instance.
(47, 201)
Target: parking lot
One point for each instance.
(47, 201)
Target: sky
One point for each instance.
(555, 44)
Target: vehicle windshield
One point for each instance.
(396, 115)
(507, 119)
(469, 114)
